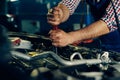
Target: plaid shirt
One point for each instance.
(108, 18)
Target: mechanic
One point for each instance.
(106, 28)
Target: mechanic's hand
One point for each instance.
(54, 16)
(60, 38)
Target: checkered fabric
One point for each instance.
(71, 4)
(108, 18)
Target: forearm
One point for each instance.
(66, 12)
(92, 31)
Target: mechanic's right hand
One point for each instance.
(54, 16)
(61, 38)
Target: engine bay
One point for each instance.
(42, 62)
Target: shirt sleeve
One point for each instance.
(71, 4)
(109, 17)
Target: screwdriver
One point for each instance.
(55, 27)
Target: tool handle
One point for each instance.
(55, 27)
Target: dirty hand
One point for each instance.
(54, 16)
(60, 38)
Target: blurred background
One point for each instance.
(29, 16)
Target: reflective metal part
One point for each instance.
(76, 54)
(20, 55)
(57, 58)
(105, 59)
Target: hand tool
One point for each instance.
(55, 27)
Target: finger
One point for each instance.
(55, 44)
(50, 11)
(53, 22)
(50, 16)
(55, 10)
(54, 34)
(54, 37)
(53, 13)
(58, 34)
(53, 19)
(50, 32)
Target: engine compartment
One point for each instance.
(41, 62)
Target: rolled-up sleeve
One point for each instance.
(109, 17)
(71, 4)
